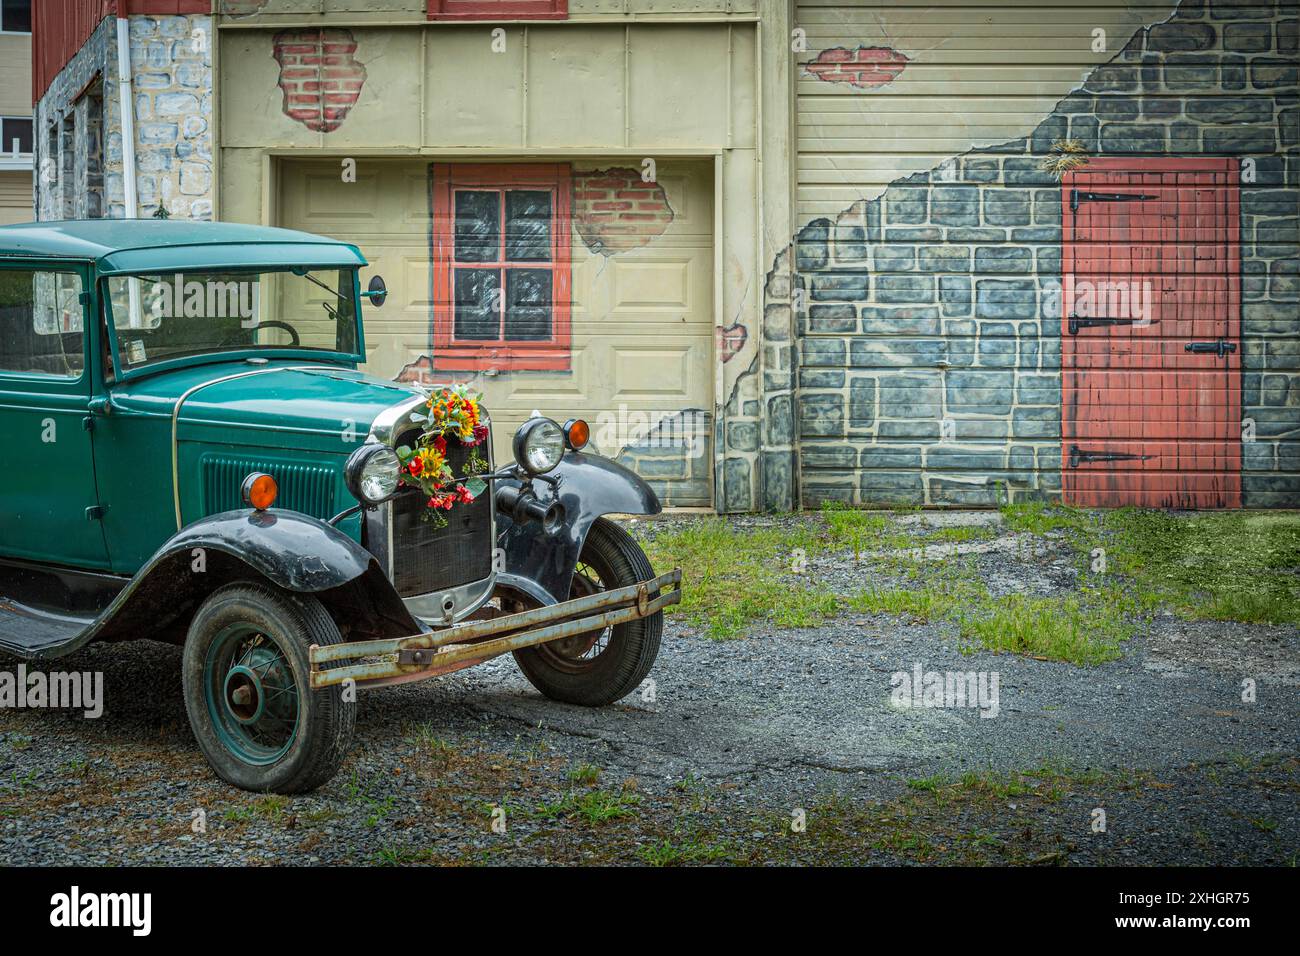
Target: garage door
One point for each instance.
(571, 290)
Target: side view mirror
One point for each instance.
(376, 291)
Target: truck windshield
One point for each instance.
(176, 315)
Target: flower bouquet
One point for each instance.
(453, 416)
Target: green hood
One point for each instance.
(283, 405)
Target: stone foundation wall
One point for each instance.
(929, 318)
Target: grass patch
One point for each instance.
(584, 774)
(1232, 566)
(671, 853)
(272, 808)
(594, 806)
(731, 578)
(1060, 629)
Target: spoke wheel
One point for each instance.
(251, 694)
(578, 653)
(246, 670)
(599, 667)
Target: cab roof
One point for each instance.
(118, 246)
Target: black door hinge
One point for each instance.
(1219, 348)
(1078, 196)
(88, 423)
(95, 513)
(1077, 323)
(1080, 457)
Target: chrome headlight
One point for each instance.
(539, 445)
(371, 473)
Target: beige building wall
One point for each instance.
(16, 101)
(674, 94)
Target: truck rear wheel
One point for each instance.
(599, 667)
(247, 690)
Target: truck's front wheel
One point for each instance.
(599, 667)
(248, 694)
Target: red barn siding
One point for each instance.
(61, 27)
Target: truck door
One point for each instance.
(49, 508)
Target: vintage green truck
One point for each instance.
(191, 455)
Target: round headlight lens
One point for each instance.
(372, 473)
(539, 445)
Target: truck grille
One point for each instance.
(426, 558)
(305, 488)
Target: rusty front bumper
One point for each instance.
(402, 659)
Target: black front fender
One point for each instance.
(540, 565)
(293, 551)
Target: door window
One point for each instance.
(41, 323)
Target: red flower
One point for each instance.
(415, 466)
(480, 434)
(440, 443)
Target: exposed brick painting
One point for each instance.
(615, 211)
(866, 67)
(928, 319)
(319, 75)
(731, 340)
(420, 372)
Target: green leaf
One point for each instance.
(475, 486)
(417, 417)
(403, 452)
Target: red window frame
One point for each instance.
(498, 9)
(460, 355)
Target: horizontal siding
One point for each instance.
(15, 198)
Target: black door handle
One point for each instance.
(1219, 348)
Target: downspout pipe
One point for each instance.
(126, 106)
(126, 103)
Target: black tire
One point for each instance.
(599, 668)
(280, 628)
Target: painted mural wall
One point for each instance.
(634, 144)
(940, 187)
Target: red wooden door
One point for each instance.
(1150, 355)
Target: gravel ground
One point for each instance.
(738, 739)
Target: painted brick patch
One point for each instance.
(614, 210)
(866, 67)
(319, 75)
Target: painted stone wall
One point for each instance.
(80, 171)
(929, 317)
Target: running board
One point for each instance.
(441, 651)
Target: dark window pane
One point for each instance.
(477, 303)
(16, 129)
(478, 226)
(40, 323)
(17, 16)
(528, 305)
(528, 225)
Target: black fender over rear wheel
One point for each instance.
(245, 670)
(599, 667)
